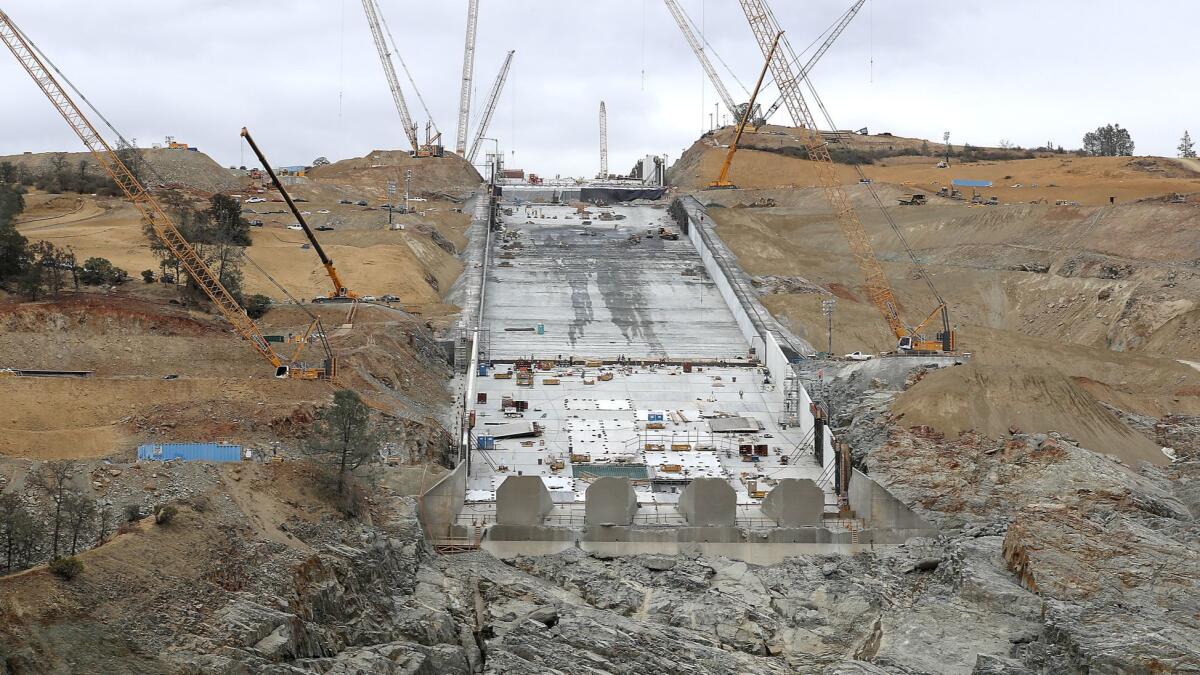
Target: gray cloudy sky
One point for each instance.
(304, 76)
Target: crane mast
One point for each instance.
(464, 99)
(603, 142)
(765, 27)
(493, 99)
(680, 18)
(837, 30)
(389, 70)
(149, 208)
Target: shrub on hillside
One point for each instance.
(68, 568)
(257, 305)
(164, 514)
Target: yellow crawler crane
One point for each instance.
(722, 181)
(29, 57)
(910, 339)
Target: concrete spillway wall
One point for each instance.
(771, 342)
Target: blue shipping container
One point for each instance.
(190, 452)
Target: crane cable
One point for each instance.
(121, 138)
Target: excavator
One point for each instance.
(340, 290)
(722, 181)
(31, 58)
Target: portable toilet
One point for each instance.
(541, 329)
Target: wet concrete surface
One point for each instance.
(596, 294)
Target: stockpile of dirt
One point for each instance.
(448, 176)
(185, 168)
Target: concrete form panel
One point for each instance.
(522, 500)
(709, 502)
(795, 503)
(610, 501)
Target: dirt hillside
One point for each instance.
(1066, 310)
(166, 374)
(184, 168)
(769, 159)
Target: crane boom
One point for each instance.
(837, 30)
(339, 289)
(493, 99)
(149, 208)
(464, 98)
(764, 26)
(698, 50)
(722, 181)
(603, 142)
(389, 71)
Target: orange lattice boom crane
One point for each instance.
(910, 339)
(153, 213)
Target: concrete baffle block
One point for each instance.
(708, 502)
(522, 500)
(610, 501)
(795, 502)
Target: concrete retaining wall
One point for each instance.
(441, 504)
(882, 511)
(757, 325)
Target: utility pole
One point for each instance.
(827, 307)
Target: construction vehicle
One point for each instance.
(910, 339)
(490, 109)
(340, 290)
(722, 181)
(158, 219)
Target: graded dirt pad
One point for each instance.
(167, 374)
(183, 168)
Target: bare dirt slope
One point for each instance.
(219, 388)
(1065, 309)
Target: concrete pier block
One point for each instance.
(795, 502)
(610, 501)
(708, 502)
(522, 500)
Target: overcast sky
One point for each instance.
(303, 75)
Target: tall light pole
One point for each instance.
(827, 307)
(495, 168)
(391, 192)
